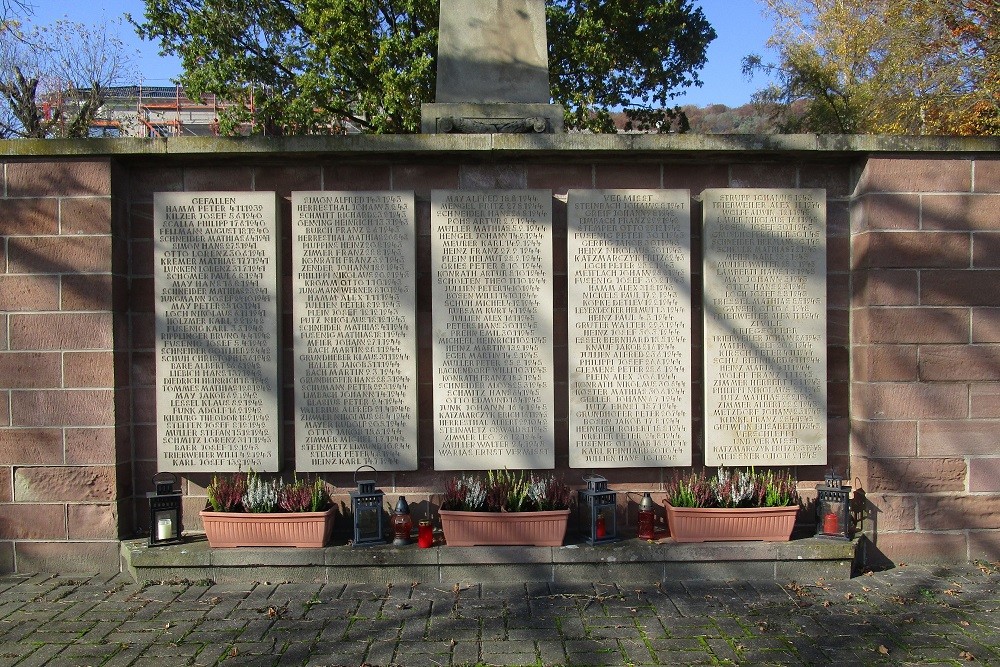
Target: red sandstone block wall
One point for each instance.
(925, 404)
(62, 479)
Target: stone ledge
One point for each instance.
(629, 560)
(367, 146)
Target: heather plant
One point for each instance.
(695, 490)
(780, 490)
(733, 488)
(549, 493)
(301, 496)
(261, 496)
(225, 493)
(737, 488)
(249, 492)
(505, 491)
(466, 493)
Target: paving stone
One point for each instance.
(89, 654)
(11, 653)
(423, 653)
(453, 628)
(256, 630)
(650, 628)
(625, 629)
(364, 629)
(493, 629)
(551, 652)
(43, 655)
(572, 627)
(179, 648)
(465, 652)
(722, 650)
(908, 612)
(636, 652)
(593, 652)
(333, 609)
(350, 653)
(295, 653)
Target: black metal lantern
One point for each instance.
(833, 508)
(165, 524)
(366, 505)
(597, 509)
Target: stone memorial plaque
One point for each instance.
(765, 327)
(217, 342)
(354, 331)
(492, 292)
(629, 273)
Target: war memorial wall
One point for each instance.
(911, 319)
(629, 318)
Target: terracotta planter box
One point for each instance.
(701, 524)
(280, 529)
(538, 529)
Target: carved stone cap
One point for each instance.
(491, 118)
(460, 125)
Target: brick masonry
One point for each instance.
(913, 324)
(925, 364)
(61, 337)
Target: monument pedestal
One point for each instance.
(490, 118)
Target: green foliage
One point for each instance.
(884, 66)
(624, 54)
(310, 66)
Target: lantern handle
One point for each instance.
(173, 477)
(360, 468)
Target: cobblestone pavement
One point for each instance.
(912, 615)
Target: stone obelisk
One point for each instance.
(493, 73)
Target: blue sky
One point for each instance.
(740, 26)
(741, 29)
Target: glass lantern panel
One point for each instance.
(831, 515)
(367, 519)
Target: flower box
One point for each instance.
(278, 529)
(539, 529)
(719, 524)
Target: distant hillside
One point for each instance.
(720, 119)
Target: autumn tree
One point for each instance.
(298, 66)
(885, 66)
(54, 79)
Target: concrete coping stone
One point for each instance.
(416, 145)
(196, 553)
